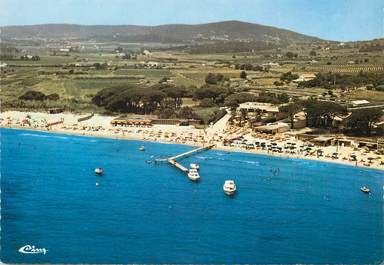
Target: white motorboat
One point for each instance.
(193, 174)
(142, 148)
(229, 187)
(195, 166)
(365, 189)
(99, 171)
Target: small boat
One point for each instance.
(229, 187)
(195, 166)
(99, 171)
(365, 189)
(141, 148)
(193, 174)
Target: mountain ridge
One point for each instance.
(230, 30)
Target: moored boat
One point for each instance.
(229, 187)
(193, 175)
(99, 171)
(365, 189)
(142, 148)
(195, 166)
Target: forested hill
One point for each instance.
(172, 33)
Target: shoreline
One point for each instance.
(216, 147)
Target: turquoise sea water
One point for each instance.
(308, 212)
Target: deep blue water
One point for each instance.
(311, 212)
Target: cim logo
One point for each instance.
(28, 249)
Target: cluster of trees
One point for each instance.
(372, 48)
(290, 110)
(130, 98)
(321, 114)
(250, 67)
(291, 55)
(8, 52)
(163, 100)
(360, 61)
(216, 94)
(100, 66)
(362, 120)
(182, 113)
(32, 58)
(243, 75)
(37, 95)
(234, 100)
(288, 77)
(214, 79)
(273, 98)
(332, 80)
(232, 46)
(278, 83)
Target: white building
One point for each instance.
(273, 128)
(259, 107)
(357, 103)
(304, 77)
(271, 64)
(147, 53)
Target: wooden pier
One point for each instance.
(179, 166)
(173, 162)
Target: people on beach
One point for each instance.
(224, 137)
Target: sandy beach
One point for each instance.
(220, 134)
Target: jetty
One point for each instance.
(173, 162)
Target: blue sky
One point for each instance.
(329, 19)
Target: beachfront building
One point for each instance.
(322, 140)
(131, 122)
(260, 109)
(179, 122)
(273, 128)
(299, 120)
(121, 121)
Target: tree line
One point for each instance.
(321, 114)
(333, 80)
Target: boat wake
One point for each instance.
(221, 158)
(44, 136)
